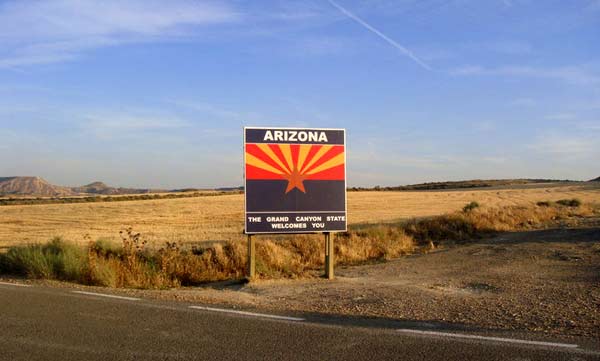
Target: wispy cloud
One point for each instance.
(404, 50)
(63, 18)
(569, 74)
(565, 146)
(19, 60)
(215, 111)
(429, 162)
(41, 32)
(117, 125)
(135, 123)
(588, 126)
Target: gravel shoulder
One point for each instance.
(545, 281)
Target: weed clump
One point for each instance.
(453, 227)
(55, 260)
(471, 206)
(574, 203)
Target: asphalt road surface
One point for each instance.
(41, 323)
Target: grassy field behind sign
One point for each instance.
(195, 220)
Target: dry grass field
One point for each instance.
(192, 220)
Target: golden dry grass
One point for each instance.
(191, 220)
(133, 265)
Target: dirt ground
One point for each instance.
(546, 281)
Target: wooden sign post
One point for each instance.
(329, 256)
(251, 257)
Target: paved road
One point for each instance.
(39, 323)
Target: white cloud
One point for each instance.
(207, 108)
(25, 60)
(225, 117)
(41, 32)
(569, 74)
(67, 18)
(565, 146)
(425, 162)
(589, 126)
(109, 126)
(134, 123)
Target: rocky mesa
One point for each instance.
(39, 187)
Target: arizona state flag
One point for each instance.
(295, 180)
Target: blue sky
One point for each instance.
(155, 94)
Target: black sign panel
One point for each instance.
(295, 180)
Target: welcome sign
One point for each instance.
(295, 180)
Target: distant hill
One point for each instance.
(39, 187)
(102, 188)
(476, 183)
(32, 186)
(595, 180)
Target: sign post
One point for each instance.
(251, 257)
(295, 182)
(329, 256)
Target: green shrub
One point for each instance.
(471, 206)
(569, 202)
(449, 227)
(57, 259)
(69, 260)
(106, 248)
(27, 261)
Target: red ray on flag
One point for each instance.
(295, 163)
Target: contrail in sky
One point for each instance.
(392, 42)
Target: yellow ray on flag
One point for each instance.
(317, 156)
(255, 162)
(302, 154)
(333, 162)
(287, 154)
(268, 151)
